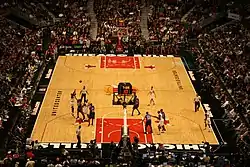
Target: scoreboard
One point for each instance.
(125, 88)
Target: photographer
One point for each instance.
(93, 148)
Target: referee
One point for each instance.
(83, 94)
(148, 122)
(78, 136)
(197, 101)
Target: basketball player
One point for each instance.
(163, 114)
(136, 106)
(207, 121)
(152, 95)
(161, 119)
(197, 101)
(83, 94)
(91, 114)
(135, 97)
(78, 136)
(72, 102)
(85, 109)
(148, 122)
(80, 109)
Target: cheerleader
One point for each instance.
(152, 95)
(72, 102)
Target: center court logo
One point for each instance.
(181, 147)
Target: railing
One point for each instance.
(183, 19)
(221, 27)
(49, 13)
(211, 19)
(23, 15)
(15, 24)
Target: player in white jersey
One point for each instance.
(207, 120)
(197, 101)
(72, 102)
(152, 96)
(161, 125)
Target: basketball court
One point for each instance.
(101, 75)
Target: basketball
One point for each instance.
(80, 81)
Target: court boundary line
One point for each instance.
(134, 60)
(187, 64)
(50, 81)
(218, 131)
(50, 122)
(189, 80)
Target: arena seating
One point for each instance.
(117, 21)
(221, 55)
(18, 68)
(164, 24)
(227, 52)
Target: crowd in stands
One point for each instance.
(202, 11)
(34, 10)
(18, 66)
(62, 7)
(165, 27)
(229, 55)
(222, 55)
(74, 30)
(118, 21)
(226, 51)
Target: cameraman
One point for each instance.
(93, 148)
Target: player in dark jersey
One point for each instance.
(136, 106)
(80, 109)
(91, 114)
